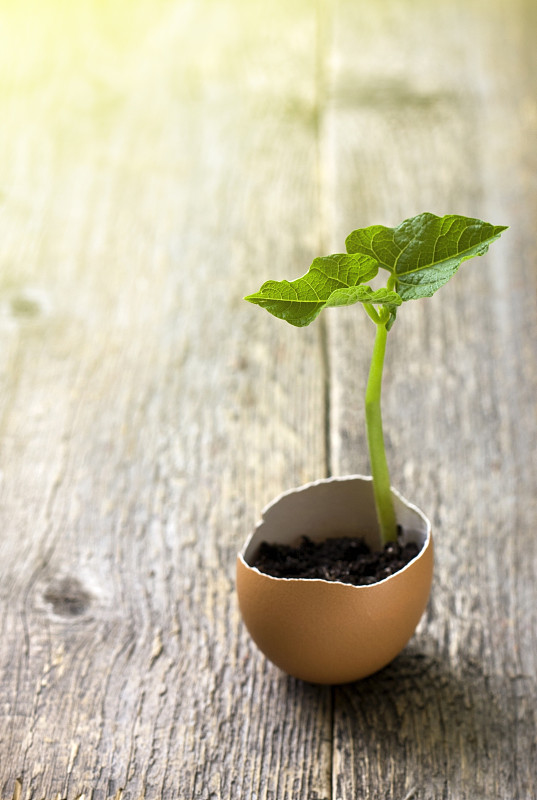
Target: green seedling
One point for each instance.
(420, 255)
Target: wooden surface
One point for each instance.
(158, 160)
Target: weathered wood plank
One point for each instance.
(157, 158)
(142, 427)
(432, 107)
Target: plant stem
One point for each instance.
(372, 313)
(375, 439)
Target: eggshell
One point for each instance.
(331, 632)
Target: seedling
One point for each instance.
(420, 255)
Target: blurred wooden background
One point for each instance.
(158, 160)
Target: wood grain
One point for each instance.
(445, 123)
(158, 160)
(152, 159)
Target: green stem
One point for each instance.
(372, 313)
(375, 439)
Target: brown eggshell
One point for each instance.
(331, 632)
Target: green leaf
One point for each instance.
(330, 281)
(387, 298)
(364, 294)
(424, 252)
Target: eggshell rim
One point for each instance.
(427, 538)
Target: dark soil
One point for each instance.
(349, 560)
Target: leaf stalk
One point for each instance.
(372, 313)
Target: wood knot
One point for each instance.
(25, 306)
(68, 598)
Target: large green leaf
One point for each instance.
(330, 281)
(424, 252)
